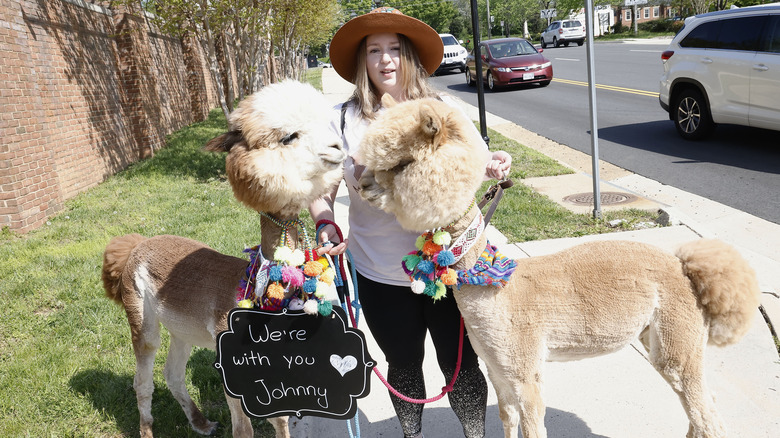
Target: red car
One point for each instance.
(509, 61)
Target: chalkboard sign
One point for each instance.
(291, 363)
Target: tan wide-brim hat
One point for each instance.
(344, 45)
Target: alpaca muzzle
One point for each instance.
(333, 155)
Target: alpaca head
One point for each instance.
(423, 163)
(282, 154)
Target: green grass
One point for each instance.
(313, 76)
(524, 214)
(66, 361)
(629, 34)
(626, 33)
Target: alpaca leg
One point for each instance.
(520, 403)
(509, 413)
(175, 371)
(280, 426)
(681, 362)
(699, 405)
(532, 410)
(145, 347)
(242, 426)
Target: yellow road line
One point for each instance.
(609, 87)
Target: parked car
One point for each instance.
(324, 64)
(508, 61)
(563, 32)
(723, 67)
(454, 54)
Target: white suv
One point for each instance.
(724, 67)
(454, 54)
(563, 32)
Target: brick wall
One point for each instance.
(84, 92)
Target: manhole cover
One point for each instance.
(607, 198)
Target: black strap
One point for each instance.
(343, 117)
(495, 192)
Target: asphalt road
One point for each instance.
(738, 166)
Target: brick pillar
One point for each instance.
(138, 82)
(196, 81)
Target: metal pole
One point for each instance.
(489, 24)
(478, 60)
(594, 129)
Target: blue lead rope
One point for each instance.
(338, 281)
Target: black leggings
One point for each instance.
(398, 320)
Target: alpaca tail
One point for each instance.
(114, 261)
(726, 286)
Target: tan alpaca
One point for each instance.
(586, 301)
(281, 157)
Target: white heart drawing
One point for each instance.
(345, 365)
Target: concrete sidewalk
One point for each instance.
(618, 395)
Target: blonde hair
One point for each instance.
(413, 79)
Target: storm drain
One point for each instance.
(607, 198)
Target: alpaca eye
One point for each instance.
(400, 166)
(289, 138)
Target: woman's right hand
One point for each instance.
(330, 242)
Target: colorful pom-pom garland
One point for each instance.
(294, 280)
(428, 266)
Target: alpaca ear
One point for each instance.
(388, 101)
(224, 142)
(431, 124)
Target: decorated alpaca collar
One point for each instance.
(466, 240)
(293, 280)
(428, 267)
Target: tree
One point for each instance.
(256, 33)
(513, 13)
(353, 8)
(250, 23)
(296, 24)
(202, 19)
(701, 6)
(437, 14)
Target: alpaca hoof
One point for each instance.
(209, 429)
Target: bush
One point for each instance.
(661, 25)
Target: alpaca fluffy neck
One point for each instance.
(271, 234)
(461, 226)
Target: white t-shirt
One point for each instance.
(376, 239)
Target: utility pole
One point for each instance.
(489, 23)
(478, 59)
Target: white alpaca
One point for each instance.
(280, 158)
(590, 300)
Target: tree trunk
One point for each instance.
(271, 63)
(223, 61)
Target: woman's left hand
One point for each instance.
(499, 165)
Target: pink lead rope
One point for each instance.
(395, 392)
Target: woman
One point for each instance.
(385, 51)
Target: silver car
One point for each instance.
(724, 67)
(563, 32)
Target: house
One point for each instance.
(645, 12)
